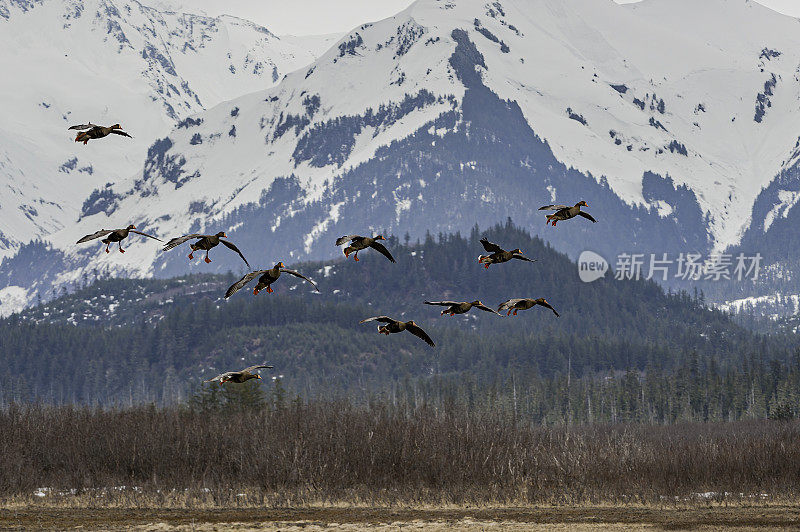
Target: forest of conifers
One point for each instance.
(621, 350)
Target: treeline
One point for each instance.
(154, 341)
(696, 391)
(301, 453)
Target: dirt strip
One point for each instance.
(49, 518)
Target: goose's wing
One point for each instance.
(258, 366)
(238, 285)
(491, 247)
(120, 132)
(347, 238)
(230, 245)
(98, 234)
(417, 331)
(442, 303)
(547, 305)
(175, 242)
(145, 234)
(522, 257)
(505, 305)
(222, 376)
(587, 216)
(382, 319)
(552, 207)
(385, 252)
(83, 126)
(300, 275)
(487, 309)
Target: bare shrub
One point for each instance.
(334, 451)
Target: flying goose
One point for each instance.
(524, 304)
(357, 243)
(565, 213)
(87, 132)
(239, 376)
(498, 254)
(460, 307)
(205, 243)
(115, 235)
(394, 326)
(267, 277)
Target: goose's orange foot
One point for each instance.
(515, 313)
(191, 255)
(255, 291)
(121, 250)
(208, 261)
(486, 266)
(508, 313)
(270, 290)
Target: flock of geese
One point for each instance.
(355, 244)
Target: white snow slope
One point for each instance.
(109, 61)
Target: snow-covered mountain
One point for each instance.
(109, 61)
(672, 118)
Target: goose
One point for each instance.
(115, 235)
(395, 326)
(357, 243)
(565, 213)
(460, 307)
(524, 304)
(498, 255)
(205, 243)
(87, 132)
(267, 277)
(239, 376)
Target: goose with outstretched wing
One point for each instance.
(460, 307)
(239, 376)
(564, 212)
(115, 235)
(498, 255)
(205, 243)
(395, 326)
(87, 132)
(265, 279)
(513, 305)
(358, 242)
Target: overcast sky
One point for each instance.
(313, 17)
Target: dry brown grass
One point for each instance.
(326, 453)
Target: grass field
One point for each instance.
(335, 466)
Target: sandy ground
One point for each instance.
(380, 519)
